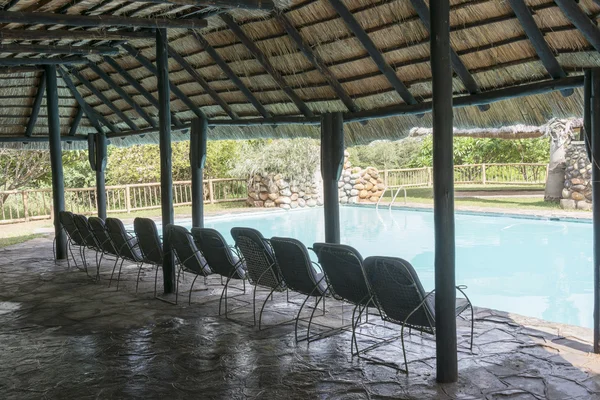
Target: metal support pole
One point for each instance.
(595, 131)
(443, 193)
(198, 139)
(587, 112)
(58, 183)
(332, 163)
(166, 178)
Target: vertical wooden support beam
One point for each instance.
(77, 121)
(332, 163)
(587, 112)
(443, 193)
(595, 118)
(58, 183)
(166, 178)
(198, 140)
(101, 158)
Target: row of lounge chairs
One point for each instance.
(388, 284)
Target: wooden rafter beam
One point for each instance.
(76, 121)
(17, 70)
(202, 82)
(80, 50)
(248, 4)
(91, 114)
(48, 18)
(138, 86)
(266, 64)
(581, 21)
(37, 104)
(153, 70)
(230, 74)
(113, 85)
(59, 34)
(316, 61)
(96, 92)
(375, 54)
(42, 139)
(536, 37)
(42, 61)
(459, 67)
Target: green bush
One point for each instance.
(385, 154)
(293, 158)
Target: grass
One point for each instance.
(181, 211)
(11, 240)
(425, 196)
(21, 232)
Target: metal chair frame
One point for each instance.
(132, 256)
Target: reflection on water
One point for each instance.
(536, 268)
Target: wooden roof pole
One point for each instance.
(43, 61)
(138, 86)
(103, 98)
(202, 82)
(266, 64)
(153, 70)
(59, 34)
(34, 48)
(459, 67)
(316, 61)
(37, 103)
(138, 109)
(538, 42)
(375, 54)
(90, 113)
(230, 74)
(248, 4)
(581, 21)
(76, 121)
(49, 18)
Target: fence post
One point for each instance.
(483, 178)
(211, 192)
(429, 176)
(25, 205)
(127, 198)
(385, 177)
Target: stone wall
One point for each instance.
(272, 190)
(359, 185)
(356, 185)
(577, 192)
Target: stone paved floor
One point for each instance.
(63, 336)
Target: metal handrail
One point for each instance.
(393, 197)
(396, 195)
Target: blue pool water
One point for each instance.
(532, 267)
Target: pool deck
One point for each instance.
(65, 336)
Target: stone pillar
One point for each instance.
(577, 191)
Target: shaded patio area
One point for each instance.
(64, 336)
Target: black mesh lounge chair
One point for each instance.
(98, 229)
(150, 246)
(402, 300)
(75, 239)
(189, 257)
(125, 244)
(88, 239)
(299, 274)
(343, 267)
(220, 257)
(260, 261)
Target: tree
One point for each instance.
(21, 168)
(385, 154)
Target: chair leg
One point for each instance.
(403, 349)
(254, 305)
(98, 266)
(113, 270)
(177, 286)
(156, 279)
(192, 287)
(312, 314)
(323, 305)
(472, 325)
(298, 317)
(224, 293)
(137, 282)
(119, 276)
(353, 324)
(263, 306)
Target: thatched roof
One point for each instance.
(486, 35)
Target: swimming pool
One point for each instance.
(532, 267)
